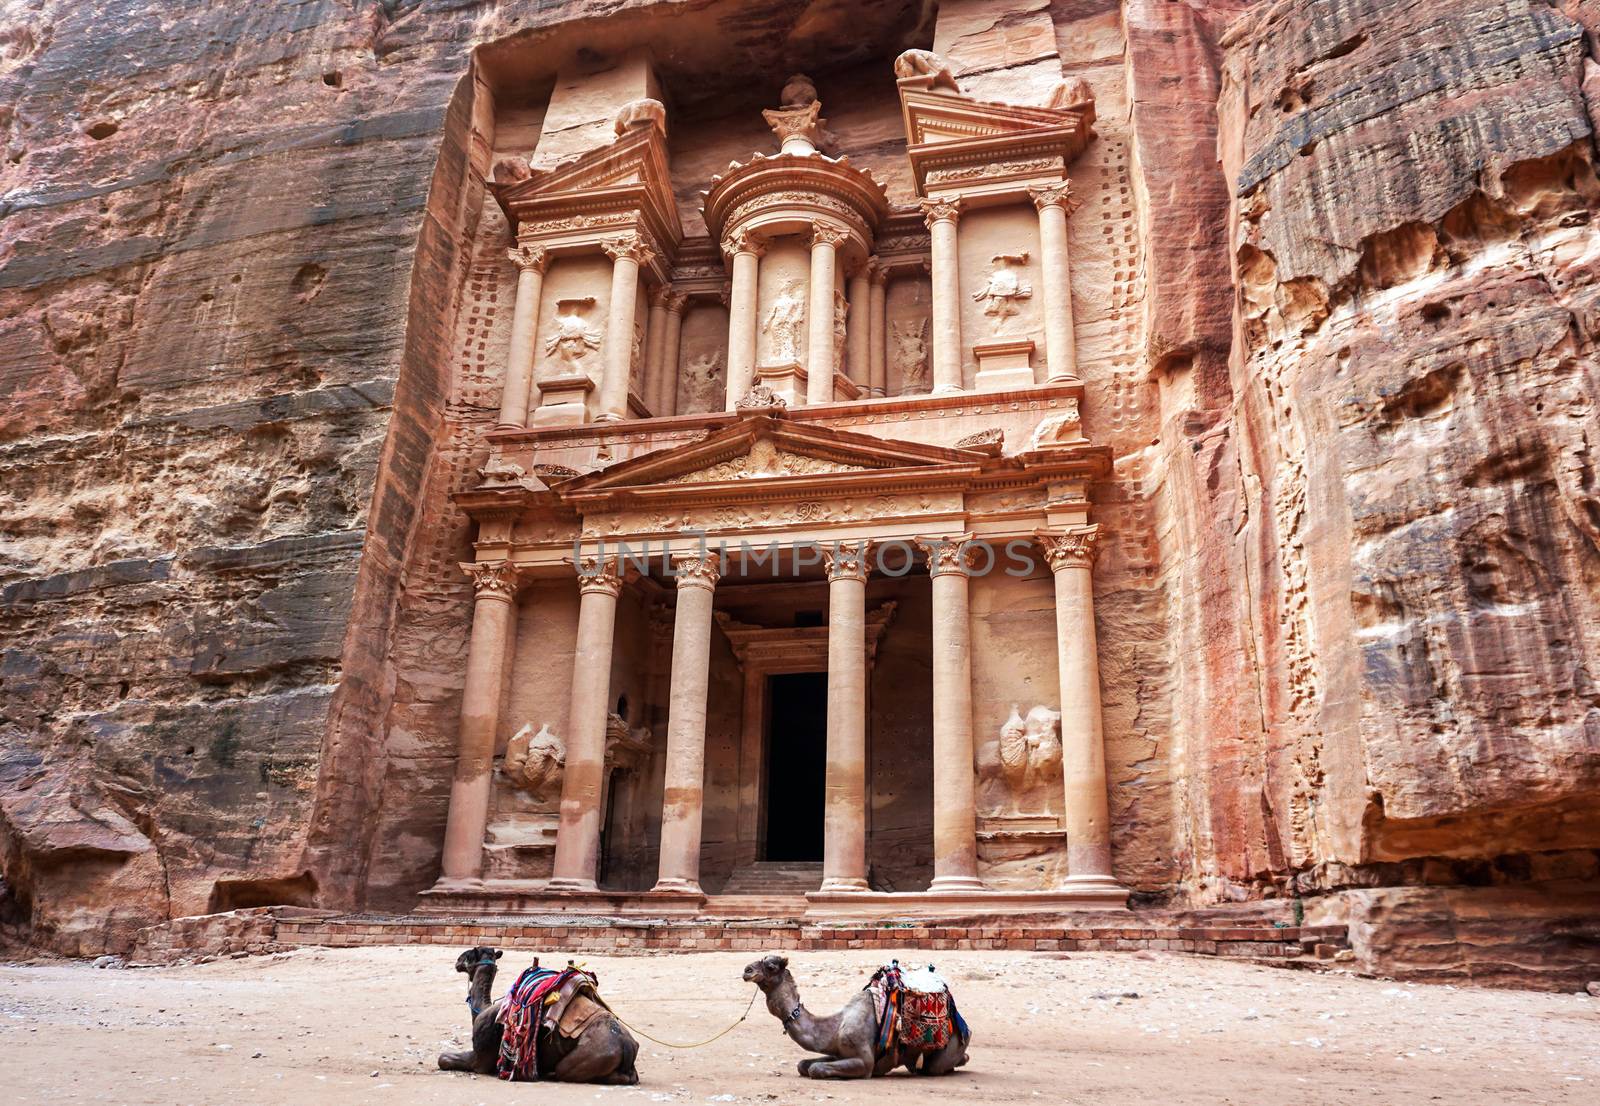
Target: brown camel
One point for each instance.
(601, 1052)
(848, 1039)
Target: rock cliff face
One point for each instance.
(1350, 622)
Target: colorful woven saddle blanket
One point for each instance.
(915, 1010)
(543, 999)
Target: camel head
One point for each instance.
(767, 972)
(474, 958)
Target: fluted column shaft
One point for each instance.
(655, 348)
(683, 798)
(516, 390)
(746, 250)
(858, 323)
(941, 217)
(578, 836)
(955, 821)
(627, 253)
(1083, 758)
(844, 851)
(488, 652)
(825, 242)
(1055, 203)
(667, 395)
(877, 332)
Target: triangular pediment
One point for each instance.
(762, 449)
(630, 174)
(934, 116)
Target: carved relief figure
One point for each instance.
(784, 321)
(535, 762)
(911, 355)
(1026, 758)
(704, 370)
(1001, 296)
(573, 339)
(841, 310)
(925, 63)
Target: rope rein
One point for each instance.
(696, 1044)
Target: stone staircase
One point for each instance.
(775, 877)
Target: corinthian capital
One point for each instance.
(941, 211)
(697, 570)
(827, 234)
(598, 574)
(1055, 195)
(744, 241)
(1072, 547)
(492, 579)
(946, 555)
(528, 257)
(628, 245)
(847, 560)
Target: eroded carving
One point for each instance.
(1026, 759)
(535, 762)
(911, 355)
(1003, 293)
(925, 64)
(784, 322)
(573, 339)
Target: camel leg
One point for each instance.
(947, 1059)
(843, 1067)
(456, 1061)
(603, 1055)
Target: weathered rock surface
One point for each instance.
(1350, 614)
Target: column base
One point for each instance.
(832, 885)
(1093, 885)
(607, 416)
(447, 884)
(677, 887)
(563, 883)
(944, 884)
(948, 390)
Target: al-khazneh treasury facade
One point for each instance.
(746, 489)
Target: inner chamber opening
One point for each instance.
(797, 754)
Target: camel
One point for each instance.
(847, 1040)
(602, 1052)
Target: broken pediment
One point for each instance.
(952, 138)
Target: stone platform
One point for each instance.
(272, 928)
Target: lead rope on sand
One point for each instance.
(697, 1044)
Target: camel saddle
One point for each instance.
(575, 1005)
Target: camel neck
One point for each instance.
(783, 1002)
(482, 985)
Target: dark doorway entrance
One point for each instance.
(797, 760)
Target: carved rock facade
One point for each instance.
(1345, 597)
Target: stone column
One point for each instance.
(655, 347)
(667, 397)
(877, 330)
(516, 391)
(941, 216)
(627, 253)
(858, 324)
(495, 585)
(1055, 203)
(844, 850)
(1083, 755)
(746, 249)
(825, 242)
(683, 800)
(578, 837)
(955, 820)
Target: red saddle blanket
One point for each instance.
(914, 1018)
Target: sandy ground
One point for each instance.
(365, 1025)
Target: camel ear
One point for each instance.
(783, 961)
(498, 954)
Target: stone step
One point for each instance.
(774, 877)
